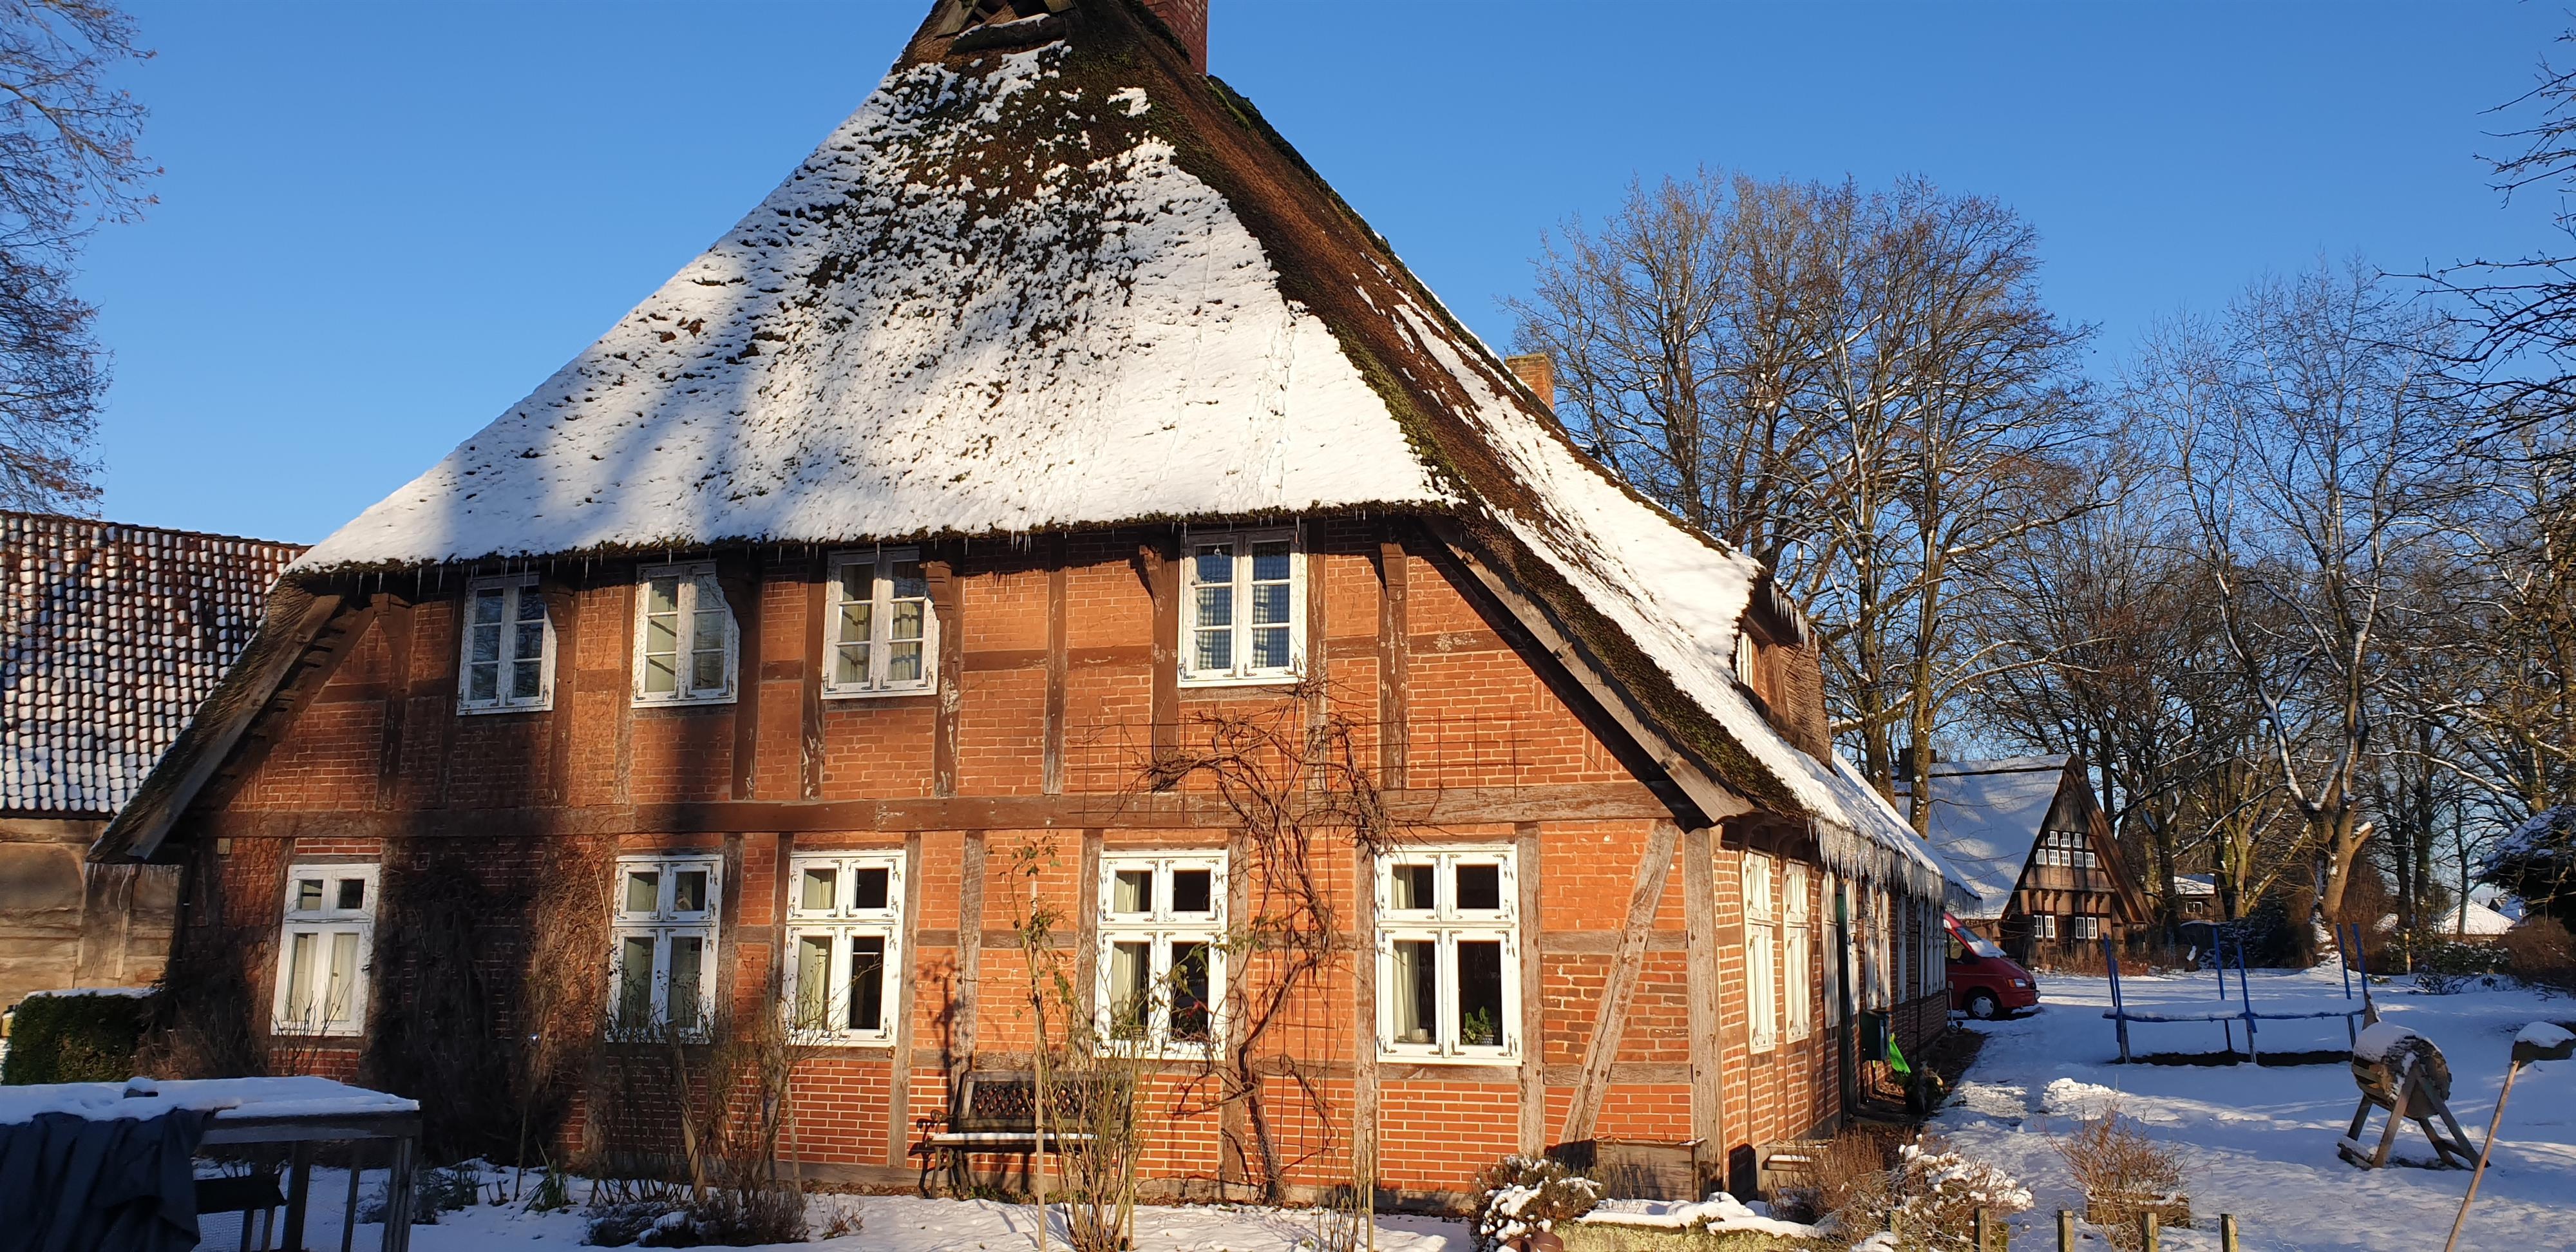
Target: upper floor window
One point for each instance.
(1161, 966)
(1448, 954)
(662, 917)
(1242, 611)
(2066, 849)
(880, 633)
(323, 949)
(844, 940)
(684, 637)
(509, 647)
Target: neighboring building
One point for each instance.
(1051, 440)
(2031, 841)
(2196, 897)
(109, 637)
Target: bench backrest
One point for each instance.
(1008, 1102)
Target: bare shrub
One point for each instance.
(1525, 1195)
(1845, 1166)
(1930, 1200)
(2540, 952)
(713, 1100)
(2123, 1173)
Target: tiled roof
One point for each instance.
(113, 634)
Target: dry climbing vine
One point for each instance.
(1297, 790)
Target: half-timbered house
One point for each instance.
(2036, 851)
(1052, 442)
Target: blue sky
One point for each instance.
(382, 224)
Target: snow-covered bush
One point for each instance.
(1523, 1195)
(2123, 1173)
(1929, 1201)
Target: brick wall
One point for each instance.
(1053, 651)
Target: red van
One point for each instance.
(1984, 982)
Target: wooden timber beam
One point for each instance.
(1610, 1014)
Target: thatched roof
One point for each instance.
(1050, 277)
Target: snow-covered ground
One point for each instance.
(2257, 1142)
(2260, 1142)
(890, 1224)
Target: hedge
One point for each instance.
(74, 1038)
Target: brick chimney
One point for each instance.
(1187, 19)
(1538, 373)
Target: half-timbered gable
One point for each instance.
(2030, 839)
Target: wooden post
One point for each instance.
(2227, 1232)
(1977, 1221)
(2147, 1237)
(2065, 1230)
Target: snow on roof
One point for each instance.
(1080, 285)
(2482, 920)
(1986, 815)
(2195, 885)
(113, 635)
(902, 340)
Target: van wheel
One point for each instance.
(1983, 1006)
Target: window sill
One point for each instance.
(1447, 1058)
(902, 693)
(697, 702)
(1189, 683)
(285, 1031)
(487, 710)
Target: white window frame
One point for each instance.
(880, 641)
(663, 924)
(1241, 671)
(841, 922)
(324, 924)
(1761, 954)
(515, 589)
(2087, 928)
(1447, 926)
(1797, 958)
(1159, 927)
(688, 575)
(2043, 925)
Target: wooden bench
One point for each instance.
(997, 1113)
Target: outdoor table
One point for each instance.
(298, 1111)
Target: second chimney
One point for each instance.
(1188, 20)
(1537, 371)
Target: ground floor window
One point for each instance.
(663, 942)
(1161, 961)
(844, 942)
(2084, 929)
(324, 945)
(1448, 954)
(2043, 925)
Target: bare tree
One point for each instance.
(67, 163)
(2308, 429)
(1864, 390)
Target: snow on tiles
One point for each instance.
(904, 339)
(2259, 1141)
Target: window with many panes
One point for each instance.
(2066, 850)
(1797, 953)
(2043, 925)
(2083, 928)
(1161, 964)
(508, 664)
(844, 945)
(684, 644)
(1761, 952)
(663, 942)
(323, 949)
(1448, 954)
(880, 635)
(1243, 602)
